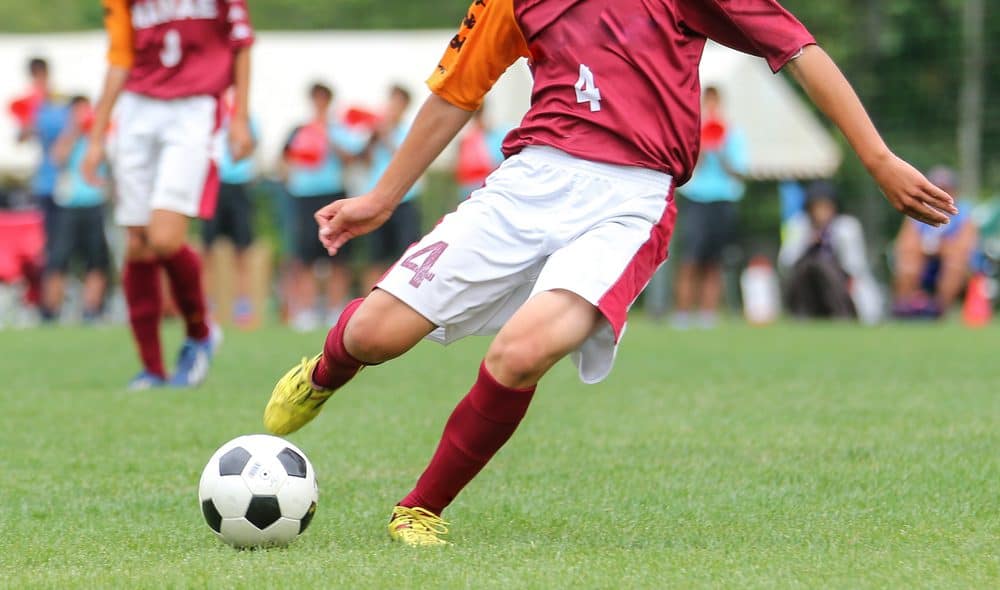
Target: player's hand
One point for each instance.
(240, 139)
(911, 193)
(345, 219)
(92, 159)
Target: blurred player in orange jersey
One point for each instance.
(554, 249)
(169, 64)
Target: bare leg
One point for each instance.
(687, 278)
(53, 292)
(955, 257)
(94, 284)
(338, 286)
(910, 261)
(711, 288)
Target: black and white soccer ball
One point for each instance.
(258, 491)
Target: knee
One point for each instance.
(518, 361)
(367, 340)
(137, 245)
(164, 243)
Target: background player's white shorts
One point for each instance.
(162, 157)
(545, 220)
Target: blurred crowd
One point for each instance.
(58, 241)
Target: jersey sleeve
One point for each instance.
(118, 23)
(487, 43)
(759, 27)
(238, 20)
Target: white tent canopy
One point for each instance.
(786, 139)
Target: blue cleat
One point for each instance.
(194, 360)
(146, 380)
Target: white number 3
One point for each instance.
(171, 54)
(586, 89)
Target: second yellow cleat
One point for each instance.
(417, 527)
(295, 401)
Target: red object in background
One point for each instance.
(25, 108)
(713, 134)
(309, 146)
(977, 311)
(474, 161)
(22, 245)
(361, 117)
(86, 118)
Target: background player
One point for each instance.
(169, 62)
(567, 232)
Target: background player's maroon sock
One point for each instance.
(481, 424)
(141, 283)
(184, 271)
(337, 366)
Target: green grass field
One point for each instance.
(795, 456)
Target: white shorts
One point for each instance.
(162, 157)
(545, 220)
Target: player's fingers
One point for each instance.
(921, 212)
(939, 199)
(326, 214)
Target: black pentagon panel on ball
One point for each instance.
(212, 516)
(263, 511)
(304, 523)
(233, 462)
(295, 464)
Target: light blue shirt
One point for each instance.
(710, 181)
(241, 172)
(327, 177)
(49, 122)
(73, 190)
(382, 156)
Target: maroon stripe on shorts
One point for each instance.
(617, 300)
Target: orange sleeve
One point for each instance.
(488, 42)
(118, 22)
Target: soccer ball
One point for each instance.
(258, 491)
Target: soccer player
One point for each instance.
(169, 63)
(554, 249)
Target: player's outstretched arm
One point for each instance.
(904, 186)
(114, 83)
(437, 123)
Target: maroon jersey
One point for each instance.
(614, 80)
(177, 48)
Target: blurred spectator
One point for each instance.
(932, 264)
(234, 216)
(314, 160)
(388, 242)
(42, 117)
(709, 215)
(824, 261)
(479, 153)
(79, 226)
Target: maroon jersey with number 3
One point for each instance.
(177, 48)
(615, 81)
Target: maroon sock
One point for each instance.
(481, 424)
(141, 283)
(337, 366)
(184, 271)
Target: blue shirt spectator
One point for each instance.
(713, 178)
(72, 190)
(326, 177)
(50, 120)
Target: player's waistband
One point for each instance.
(558, 157)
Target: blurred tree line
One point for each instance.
(906, 58)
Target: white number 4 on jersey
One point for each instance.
(586, 89)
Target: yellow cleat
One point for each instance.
(417, 527)
(295, 401)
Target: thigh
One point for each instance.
(609, 266)
(187, 181)
(135, 157)
(473, 270)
